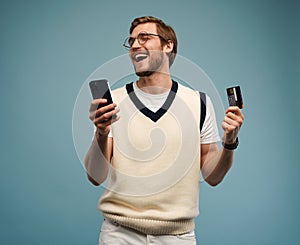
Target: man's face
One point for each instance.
(148, 57)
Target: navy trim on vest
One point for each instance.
(203, 109)
(154, 116)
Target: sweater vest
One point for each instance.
(154, 180)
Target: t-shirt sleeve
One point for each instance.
(209, 133)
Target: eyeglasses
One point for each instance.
(142, 38)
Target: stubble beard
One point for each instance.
(156, 59)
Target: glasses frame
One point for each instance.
(139, 37)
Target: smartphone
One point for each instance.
(100, 90)
(234, 96)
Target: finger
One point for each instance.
(232, 121)
(108, 116)
(92, 116)
(236, 117)
(236, 110)
(232, 115)
(105, 109)
(229, 128)
(102, 125)
(95, 104)
(99, 116)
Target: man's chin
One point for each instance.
(144, 73)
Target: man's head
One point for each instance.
(165, 33)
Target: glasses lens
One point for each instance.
(143, 38)
(130, 41)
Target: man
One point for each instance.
(155, 147)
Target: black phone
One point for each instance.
(234, 95)
(100, 89)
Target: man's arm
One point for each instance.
(98, 158)
(99, 155)
(215, 163)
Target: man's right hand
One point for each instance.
(104, 116)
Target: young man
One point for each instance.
(152, 152)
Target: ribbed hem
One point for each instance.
(153, 227)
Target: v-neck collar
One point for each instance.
(154, 116)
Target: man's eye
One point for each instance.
(143, 37)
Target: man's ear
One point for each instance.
(168, 47)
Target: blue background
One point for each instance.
(49, 48)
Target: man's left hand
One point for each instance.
(232, 123)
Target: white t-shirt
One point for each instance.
(152, 101)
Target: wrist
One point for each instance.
(100, 134)
(231, 146)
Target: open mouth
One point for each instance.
(139, 56)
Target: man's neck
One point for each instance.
(156, 83)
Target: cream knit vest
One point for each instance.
(153, 185)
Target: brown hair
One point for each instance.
(163, 30)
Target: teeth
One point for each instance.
(140, 57)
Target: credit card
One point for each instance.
(235, 98)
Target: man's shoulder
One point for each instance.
(185, 90)
(121, 92)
